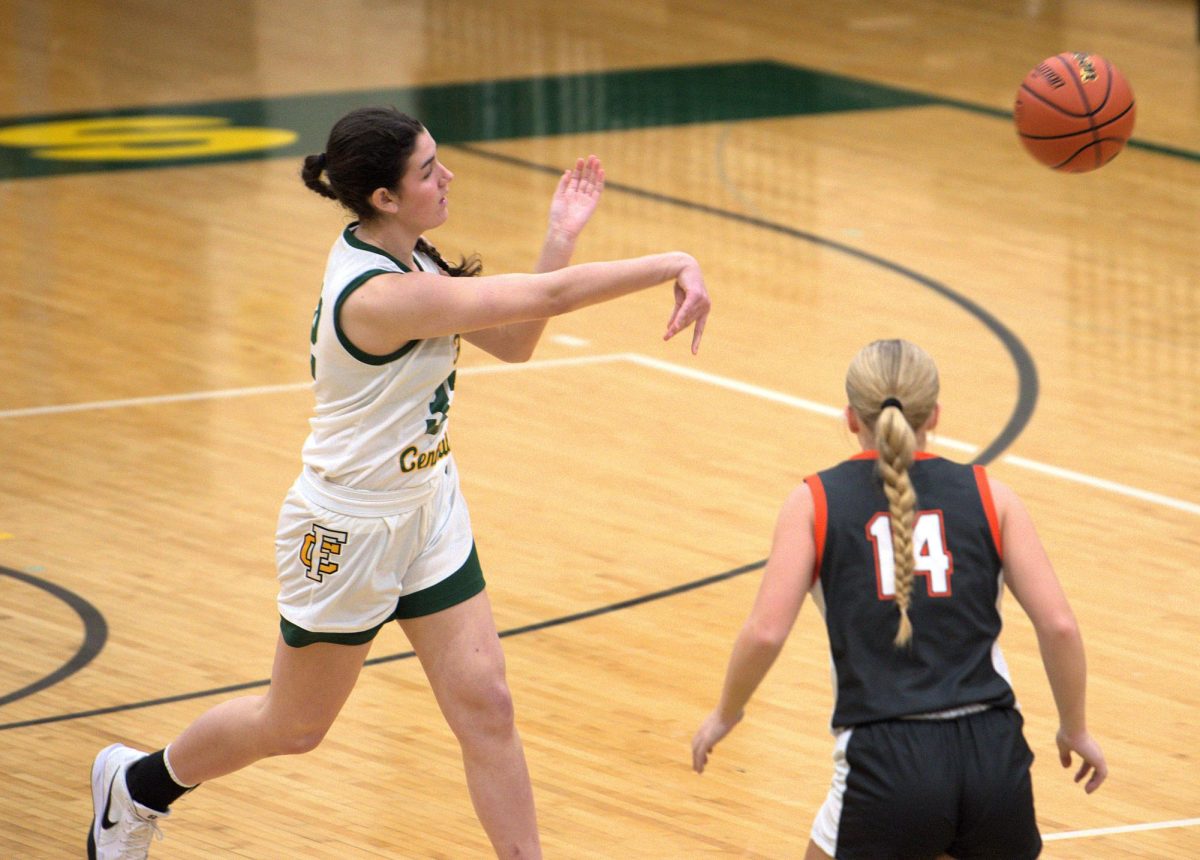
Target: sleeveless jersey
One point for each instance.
(954, 660)
(380, 420)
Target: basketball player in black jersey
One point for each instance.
(906, 555)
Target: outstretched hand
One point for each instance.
(576, 197)
(1092, 758)
(692, 304)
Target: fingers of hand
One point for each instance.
(698, 332)
(691, 306)
(589, 176)
(1098, 773)
(700, 750)
(595, 173)
(680, 320)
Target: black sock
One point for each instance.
(151, 784)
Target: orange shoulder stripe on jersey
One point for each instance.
(820, 521)
(989, 508)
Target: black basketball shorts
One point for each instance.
(920, 788)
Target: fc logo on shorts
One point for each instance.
(319, 552)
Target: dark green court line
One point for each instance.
(499, 109)
(95, 634)
(1133, 143)
(473, 112)
(391, 658)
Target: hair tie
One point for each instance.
(892, 401)
(321, 161)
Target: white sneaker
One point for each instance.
(121, 827)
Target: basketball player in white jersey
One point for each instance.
(375, 527)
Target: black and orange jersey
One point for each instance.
(953, 660)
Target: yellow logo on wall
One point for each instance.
(141, 138)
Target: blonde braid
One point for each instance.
(892, 385)
(895, 441)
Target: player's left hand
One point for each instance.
(576, 197)
(1092, 764)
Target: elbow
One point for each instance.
(1060, 627)
(513, 353)
(764, 637)
(518, 355)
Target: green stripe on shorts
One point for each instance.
(458, 587)
(298, 637)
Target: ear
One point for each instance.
(852, 419)
(933, 416)
(385, 201)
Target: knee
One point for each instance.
(296, 738)
(483, 711)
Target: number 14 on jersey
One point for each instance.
(932, 558)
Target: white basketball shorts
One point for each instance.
(349, 561)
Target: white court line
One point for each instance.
(655, 364)
(1102, 484)
(1123, 828)
(152, 401)
(822, 409)
(735, 385)
(227, 393)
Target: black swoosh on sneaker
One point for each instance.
(105, 824)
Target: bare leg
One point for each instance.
(460, 653)
(309, 685)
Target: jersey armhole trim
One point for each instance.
(820, 522)
(989, 508)
(362, 355)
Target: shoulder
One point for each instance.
(801, 496)
(1004, 499)
(800, 506)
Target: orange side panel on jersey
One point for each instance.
(820, 520)
(989, 508)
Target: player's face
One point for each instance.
(425, 185)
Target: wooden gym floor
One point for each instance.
(844, 171)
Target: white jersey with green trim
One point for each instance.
(380, 420)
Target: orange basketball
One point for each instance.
(1074, 112)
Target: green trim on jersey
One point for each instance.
(353, 241)
(344, 339)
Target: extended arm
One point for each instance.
(389, 310)
(784, 584)
(574, 201)
(1030, 577)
